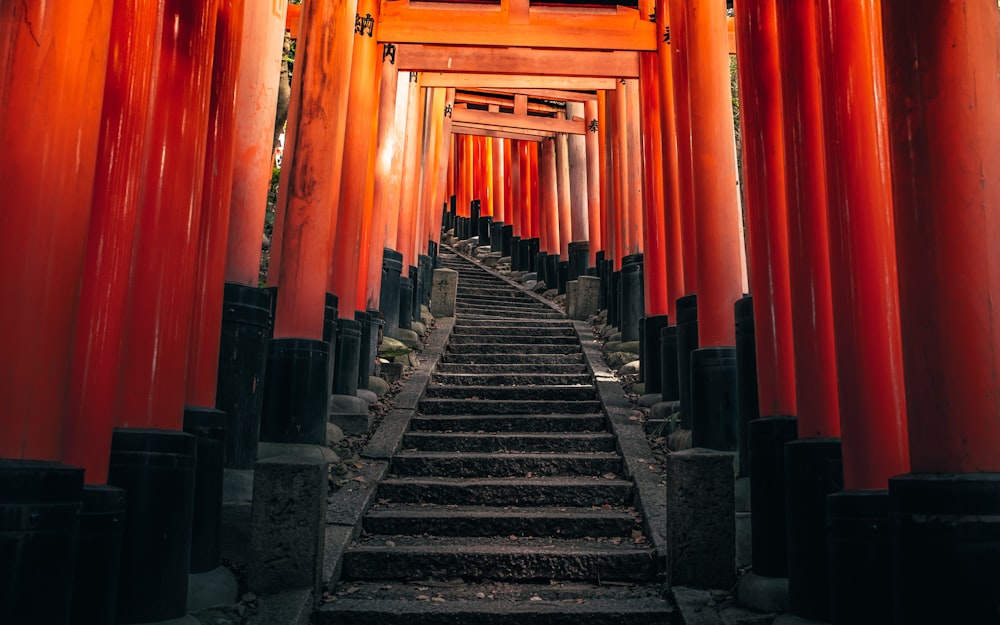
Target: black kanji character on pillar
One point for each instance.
(666, 34)
(447, 110)
(592, 126)
(364, 25)
(389, 52)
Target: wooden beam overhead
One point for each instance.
(617, 28)
(497, 133)
(506, 103)
(549, 94)
(516, 82)
(507, 120)
(493, 60)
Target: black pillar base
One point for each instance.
(714, 422)
(539, 266)
(650, 349)
(615, 311)
(552, 271)
(348, 350)
(515, 253)
(425, 272)
(272, 294)
(432, 251)
(668, 363)
(602, 297)
(405, 303)
(392, 268)
(524, 255)
(246, 328)
(209, 427)
(945, 533)
(860, 574)
(579, 259)
(748, 405)
(533, 247)
(632, 300)
(39, 507)
(296, 392)
(102, 522)
(687, 342)
(418, 288)
(563, 276)
(767, 493)
(157, 470)
(364, 347)
(330, 314)
(484, 231)
(496, 236)
(506, 246)
(812, 471)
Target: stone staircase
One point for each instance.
(508, 502)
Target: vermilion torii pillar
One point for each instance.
(813, 462)
(944, 124)
(296, 393)
(155, 343)
(719, 246)
(55, 56)
(246, 308)
(767, 243)
(679, 40)
(864, 285)
(594, 180)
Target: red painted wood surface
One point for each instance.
(679, 44)
(594, 180)
(654, 253)
(943, 100)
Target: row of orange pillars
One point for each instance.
(136, 142)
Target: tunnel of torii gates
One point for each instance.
(136, 140)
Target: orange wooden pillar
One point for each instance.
(548, 186)
(442, 189)
(156, 341)
(633, 181)
(594, 181)
(812, 463)
(679, 40)
(534, 203)
(944, 101)
(408, 203)
(54, 61)
(246, 308)
(296, 392)
(564, 201)
(767, 242)
(433, 126)
(864, 284)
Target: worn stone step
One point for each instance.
(508, 330)
(512, 359)
(563, 392)
(547, 313)
(563, 522)
(518, 339)
(521, 441)
(511, 348)
(494, 603)
(508, 378)
(510, 369)
(461, 322)
(510, 423)
(523, 560)
(439, 405)
(499, 464)
(534, 491)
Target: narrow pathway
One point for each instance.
(508, 502)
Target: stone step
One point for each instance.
(445, 406)
(548, 313)
(509, 423)
(509, 378)
(534, 491)
(509, 369)
(511, 359)
(521, 441)
(563, 392)
(517, 339)
(468, 464)
(500, 559)
(497, 603)
(461, 322)
(511, 348)
(508, 330)
(564, 522)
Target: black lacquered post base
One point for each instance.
(496, 236)
(405, 303)
(687, 342)
(563, 276)
(615, 299)
(812, 471)
(102, 524)
(507, 239)
(347, 353)
(524, 255)
(668, 364)
(484, 231)
(748, 406)
(246, 329)
(768, 438)
(209, 427)
(39, 507)
(651, 348)
(392, 268)
(156, 468)
(945, 537)
(860, 575)
(552, 271)
(515, 253)
(579, 259)
(296, 392)
(540, 265)
(713, 399)
(601, 269)
(632, 297)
